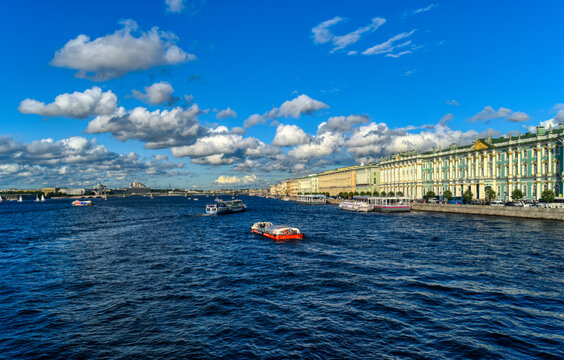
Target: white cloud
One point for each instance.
(322, 34)
(452, 103)
(425, 9)
(156, 94)
(323, 145)
(289, 135)
(254, 120)
(226, 113)
(388, 46)
(115, 55)
(518, 116)
(341, 123)
(231, 180)
(158, 129)
(78, 105)
(301, 105)
(174, 6)
(409, 72)
(554, 122)
(489, 113)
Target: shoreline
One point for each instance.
(518, 212)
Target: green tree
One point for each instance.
(351, 194)
(400, 193)
(517, 194)
(362, 193)
(375, 193)
(490, 195)
(547, 195)
(467, 196)
(430, 194)
(383, 194)
(391, 193)
(447, 194)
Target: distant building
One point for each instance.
(137, 185)
(48, 190)
(74, 192)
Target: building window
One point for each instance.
(557, 166)
(534, 191)
(557, 189)
(524, 190)
(546, 168)
(524, 170)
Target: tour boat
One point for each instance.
(276, 232)
(356, 205)
(390, 204)
(82, 203)
(225, 207)
(312, 199)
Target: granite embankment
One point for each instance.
(532, 213)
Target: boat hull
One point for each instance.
(224, 211)
(278, 237)
(389, 209)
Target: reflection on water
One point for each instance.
(142, 277)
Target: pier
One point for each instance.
(519, 212)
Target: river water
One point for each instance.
(153, 278)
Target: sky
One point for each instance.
(220, 94)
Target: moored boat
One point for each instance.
(82, 203)
(390, 204)
(312, 199)
(276, 232)
(356, 205)
(225, 207)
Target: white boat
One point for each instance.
(195, 199)
(36, 198)
(1, 198)
(42, 197)
(20, 199)
(357, 205)
(225, 207)
(285, 198)
(390, 204)
(312, 199)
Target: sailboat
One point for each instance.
(20, 199)
(1, 198)
(42, 197)
(36, 198)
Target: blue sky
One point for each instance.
(223, 93)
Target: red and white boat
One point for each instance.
(390, 204)
(276, 232)
(82, 203)
(358, 203)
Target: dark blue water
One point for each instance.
(141, 278)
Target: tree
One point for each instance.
(517, 194)
(375, 193)
(447, 194)
(430, 194)
(490, 195)
(362, 193)
(547, 195)
(400, 193)
(351, 194)
(467, 196)
(391, 193)
(383, 194)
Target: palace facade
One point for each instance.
(531, 162)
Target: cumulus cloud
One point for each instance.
(389, 46)
(157, 129)
(73, 160)
(156, 94)
(226, 113)
(555, 121)
(254, 120)
(322, 145)
(341, 123)
(489, 113)
(115, 55)
(301, 105)
(236, 180)
(289, 135)
(78, 105)
(322, 34)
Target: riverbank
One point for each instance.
(531, 213)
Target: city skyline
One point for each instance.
(215, 94)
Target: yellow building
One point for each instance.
(49, 190)
(338, 180)
(293, 187)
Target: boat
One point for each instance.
(1, 198)
(276, 232)
(20, 199)
(36, 198)
(82, 203)
(195, 199)
(42, 197)
(285, 198)
(312, 199)
(358, 204)
(390, 204)
(225, 207)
